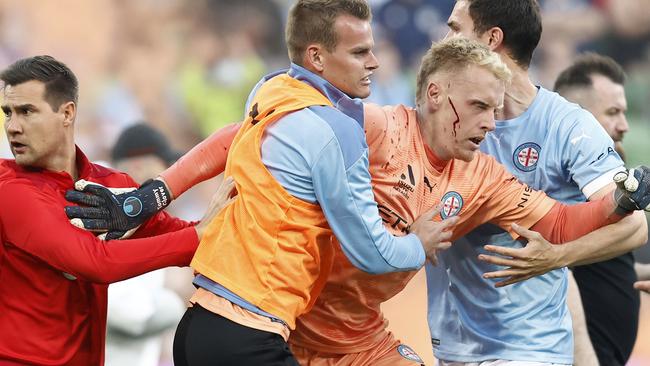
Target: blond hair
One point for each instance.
(312, 21)
(453, 55)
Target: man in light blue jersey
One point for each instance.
(551, 145)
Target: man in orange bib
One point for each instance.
(300, 163)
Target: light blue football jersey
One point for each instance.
(554, 146)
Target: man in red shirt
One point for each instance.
(54, 276)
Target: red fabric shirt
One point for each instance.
(46, 318)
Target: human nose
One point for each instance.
(372, 63)
(13, 126)
(622, 126)
(489, 123)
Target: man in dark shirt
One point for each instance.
(611, 304)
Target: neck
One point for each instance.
(71, 165)
(520, 93)
(65, 161)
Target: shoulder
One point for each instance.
(329, 123)
(16, 184)
(12, 176)
(7, 169)
(561, 112)
(381, 119)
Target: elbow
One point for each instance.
(97, 276)
(378, 269)
(374, 268)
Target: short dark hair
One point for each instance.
(520, 21)
(312, 21)
(584, 67)
(61, 84)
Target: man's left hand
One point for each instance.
(536, 258)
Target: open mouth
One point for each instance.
(18, 146)
(476, 140)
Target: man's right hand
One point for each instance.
(105, 210)
(434, 235)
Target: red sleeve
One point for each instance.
(161, 223)
(204, 161)
(559, 225)
(36, 223)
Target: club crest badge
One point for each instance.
(526, 156)
(452, 203)
(408, 353)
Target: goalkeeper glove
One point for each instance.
(632, 190)
(119, 212)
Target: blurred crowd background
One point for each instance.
(185, 67)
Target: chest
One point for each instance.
(408, 187)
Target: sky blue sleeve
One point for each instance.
(347, 200)
(589, 152)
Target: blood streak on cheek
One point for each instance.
(456, 123)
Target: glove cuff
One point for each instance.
(625, 205)
(146, 201)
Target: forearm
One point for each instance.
(161, 223)
(564, 223)
(204, 161)
(117, 260)
(642, 271)
(347, 200)
(607, 242)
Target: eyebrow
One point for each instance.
(481, 103)
(20, 106)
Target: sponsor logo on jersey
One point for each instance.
(452, 203)
(429, 185)
(408, 353)
(609, 151)
(526, 156)
(525, 196)
(393, 219)
(406, 187)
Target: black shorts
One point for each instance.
(204, 338)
